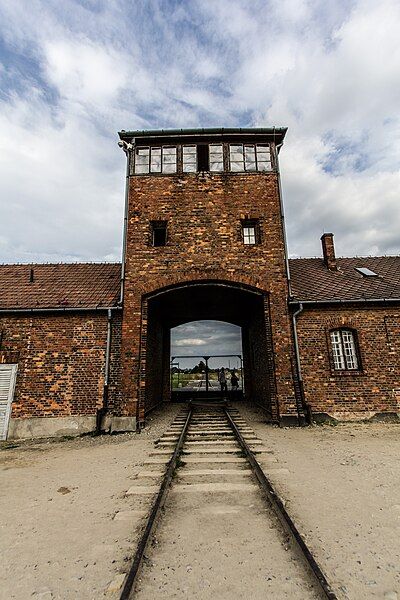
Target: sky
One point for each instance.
(73, 73)
(205, 338)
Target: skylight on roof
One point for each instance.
(366, 272)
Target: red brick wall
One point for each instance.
(204, 243)
(60, 362)
(376, 388)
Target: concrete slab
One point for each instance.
(116, 584)
(215, 472)
(219, 460)
(130, 515)
(214, 487)
(209, 443)
(154, 474)
(138, 490)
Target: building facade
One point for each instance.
(87, 346)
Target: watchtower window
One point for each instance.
(202, 158)
(250, 232)
(155, 160)
(159, 233)
(189, 159)
(216, 157)
(250, 157)
(169, 159)
(142, 160)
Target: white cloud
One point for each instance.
(76, 73)
(190, 342)
(85, 72)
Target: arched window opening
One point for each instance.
(345, 350)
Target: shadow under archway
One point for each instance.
(208, 300)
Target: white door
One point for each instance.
(7, 384)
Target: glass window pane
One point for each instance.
(263, 153)
(349, 350)
(142, 160)
(236, 157)
(264, 166)
(216, 158)
(169, 160)
(337, 350)
(216, 165)
(189, 159)
(155, 166)
(263, 158)
(249, 235)
(250, 158)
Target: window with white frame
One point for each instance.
(344, 350)
(155, 160)
(249, 232)
(189, 159)
(216, 157)
(250, 157)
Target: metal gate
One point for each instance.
(7, 384)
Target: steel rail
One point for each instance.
(281, 512)
(127, 590)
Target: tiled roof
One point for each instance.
(85, 285)
(311, 280)
(97, 285)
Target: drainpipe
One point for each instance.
(102, 412)
(127, 148)
(283, 219)
(304, 404)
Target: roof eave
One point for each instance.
(273, 134)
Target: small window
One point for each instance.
(263, 158)
(189, 156)
(344, 350)
(169, 159)
(155, 166)
(159, 233)
(216, 157)
(236, 157)
(250, 232)
(366, 272)
(155, 160)
(142, 160)
(250, 157)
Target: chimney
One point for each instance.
(328, 249)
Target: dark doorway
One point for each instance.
(203, 301)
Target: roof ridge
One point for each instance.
(48, 264)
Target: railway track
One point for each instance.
(209, 464)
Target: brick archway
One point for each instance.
(235, 302)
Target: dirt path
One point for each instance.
(342, 486)
(66, 525)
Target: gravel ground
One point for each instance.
(67, 526)
(58, 535)
(342, 487)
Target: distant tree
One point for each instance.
(200, 368)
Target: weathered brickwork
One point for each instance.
(204, 213)
(375, 388)
(204, 272)
(60, 363)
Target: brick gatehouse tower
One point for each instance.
(87, 346)
(205, 239)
